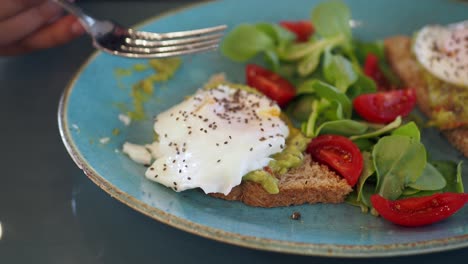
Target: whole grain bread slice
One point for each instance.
(309, 183)
(404, 64)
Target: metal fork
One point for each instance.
(115, 39)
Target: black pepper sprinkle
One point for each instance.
(173, 161)
(225, 142)
(251, 149)
(270, 145)
(156, 175)
(151, 168)
(296, 216)
(175, 183)
(180, 171)
(189, 178)
(218, 161)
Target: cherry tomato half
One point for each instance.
(270, 84)
(373, 71)
(303, 29)
(340, 154)
(419, 211)
(384, 107)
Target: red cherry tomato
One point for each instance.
(340, 154)
(419, 211)
(372, 70)
(270, 84)
(384, 107)
(303, 29)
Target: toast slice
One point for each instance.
(404, 64)
(308, 183)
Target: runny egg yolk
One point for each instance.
(212, 139)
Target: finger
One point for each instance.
(62, 31)
(25, 23)
(13, 7)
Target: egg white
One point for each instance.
(443, 51)
(215, 137)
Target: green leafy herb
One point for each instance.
(389, 127)
(278, 34)
(297, 51)
(398, 160)
(430, 180)
(244, 42)
(331, 18)
(344, 127)
(409, 129)
(363, 85)
(328, 92)
(452, 174)
(338, 71)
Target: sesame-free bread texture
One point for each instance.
(404, 64)
(309, 183)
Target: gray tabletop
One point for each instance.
(51, 213)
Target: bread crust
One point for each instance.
(404, 64)
(310, 183)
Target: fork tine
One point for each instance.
(143, 49)
(167, 54)
(171, 42)
(177, 34)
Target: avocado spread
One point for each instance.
(448, 103)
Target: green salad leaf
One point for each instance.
(244, 42)
(331, 18)
(409, 129)
(398, 160)
(343, 127)
(452, 173)
(380, 131)
(363, 85)
(338, 71)
(430, 180)
(278, 34)
(297, 51)
(362, 49)
(328, 92)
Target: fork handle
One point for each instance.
(87, 21)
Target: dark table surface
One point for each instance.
(51, 213)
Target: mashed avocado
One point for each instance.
(291, 157)
(448, 103)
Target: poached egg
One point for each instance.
(443, 51)
(214, 138)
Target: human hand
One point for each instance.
(28, 25)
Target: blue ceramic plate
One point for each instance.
(91, 104)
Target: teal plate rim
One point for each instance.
(312, 249)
